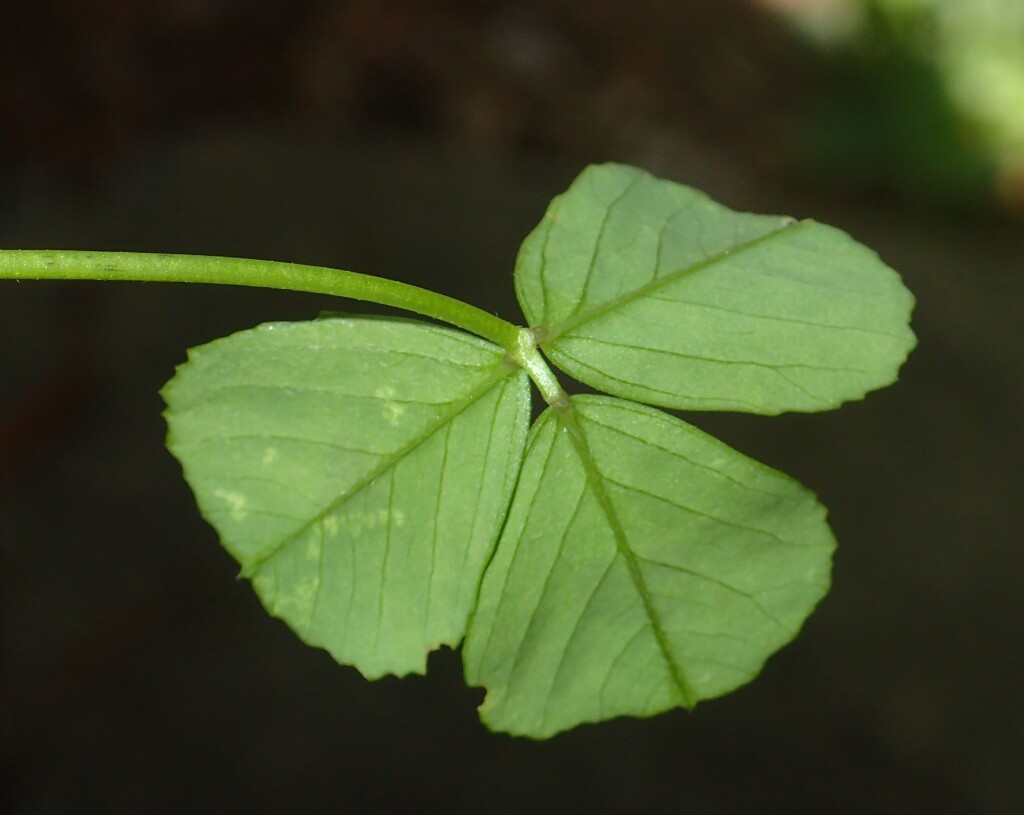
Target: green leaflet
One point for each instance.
(359, 470)
(644, 566)
(649, 290)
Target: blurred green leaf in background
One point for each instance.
(926, 97)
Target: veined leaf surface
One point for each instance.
(650, 290)
(359, 470)
(645, 565)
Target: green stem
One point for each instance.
(526, 356)
(44, 264)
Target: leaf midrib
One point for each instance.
(567, 417)
(502, 370)
(552, 333)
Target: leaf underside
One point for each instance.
(644, 566)
(359, 471)
(650, 290)
(377, 481)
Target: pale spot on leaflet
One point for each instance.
(313, 548)
(298, 598)
(269, 456)
(357, 523)
(235, 501)
(392, 411)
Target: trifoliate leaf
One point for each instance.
(644, 566)
(649, 290)
(359, 470)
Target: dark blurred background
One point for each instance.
(421, 141)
